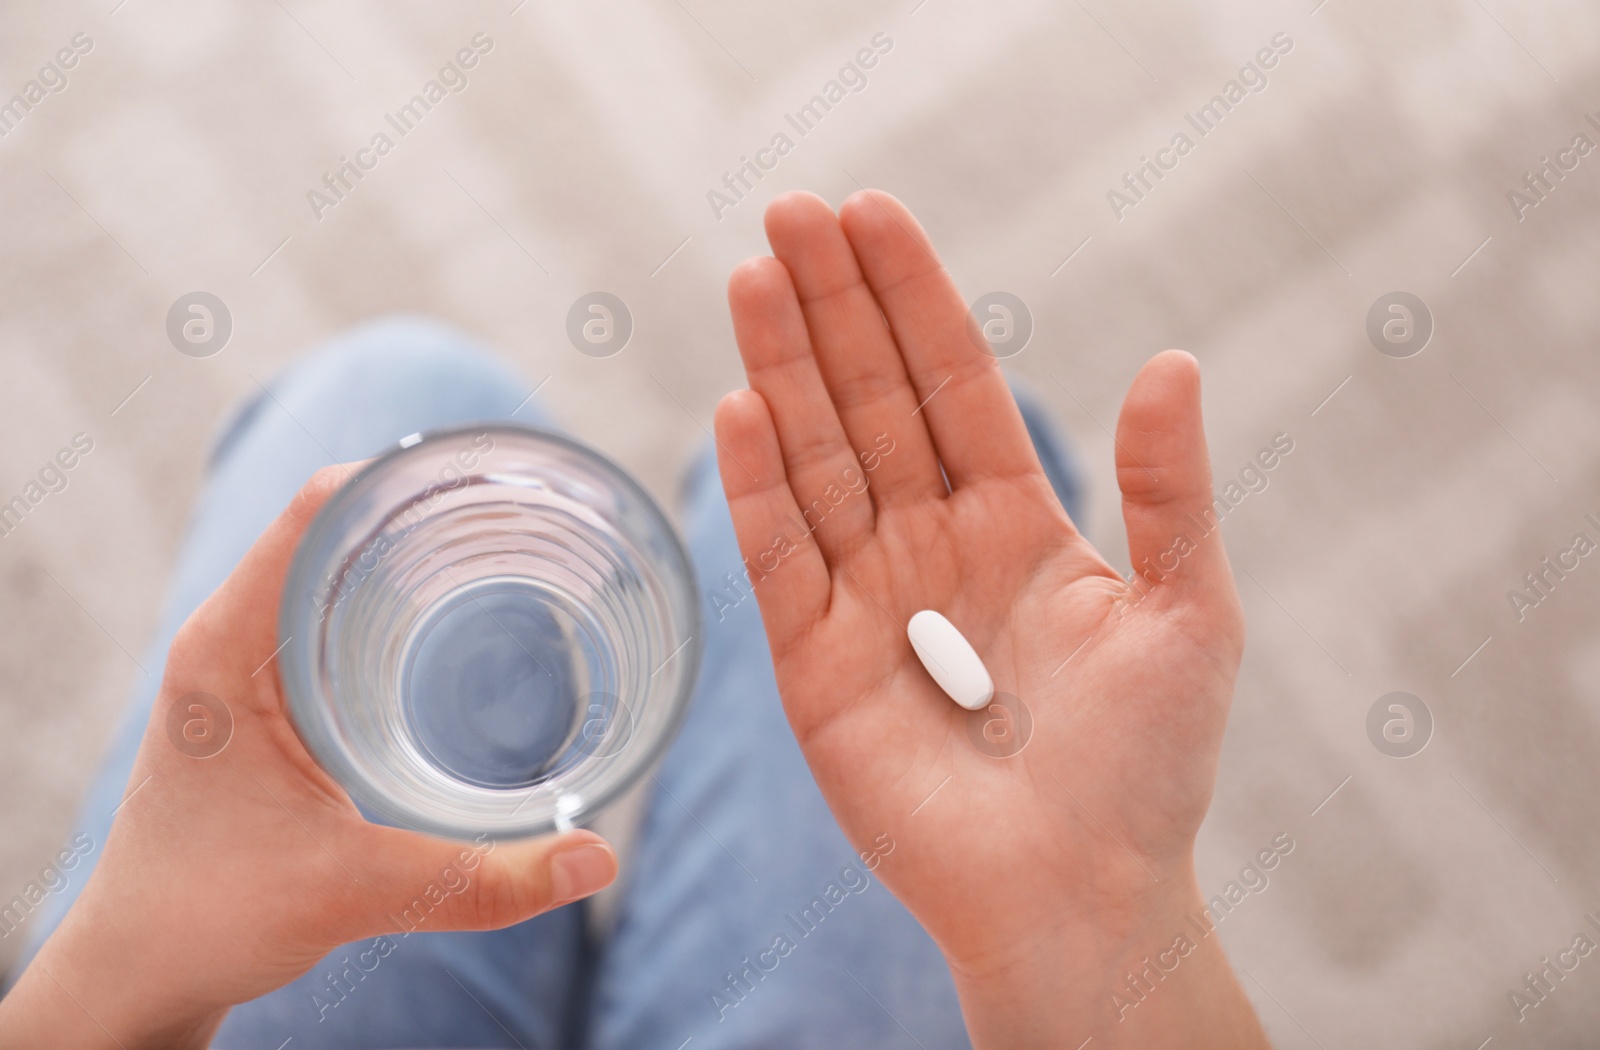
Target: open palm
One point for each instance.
(1083, 787)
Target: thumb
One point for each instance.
(486, 885)
(1164, 472)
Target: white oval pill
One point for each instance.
(950, 659)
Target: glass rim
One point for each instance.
(308, 706)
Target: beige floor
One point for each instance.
(1379, 158)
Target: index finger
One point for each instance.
(238, 623)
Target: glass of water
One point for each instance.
(489, 629)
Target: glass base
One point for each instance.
(493, 680)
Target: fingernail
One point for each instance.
(580, 871)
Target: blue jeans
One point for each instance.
(736, 846)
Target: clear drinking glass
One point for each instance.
(488, 629)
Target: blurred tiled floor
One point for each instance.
(1377, 158)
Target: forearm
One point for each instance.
(1154, 977)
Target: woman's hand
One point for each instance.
(229, 872)
(1044, 874)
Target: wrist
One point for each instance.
(80, 991)
(1145, 969)
(48, 1007)
(1092, 915)
(1090, 931)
